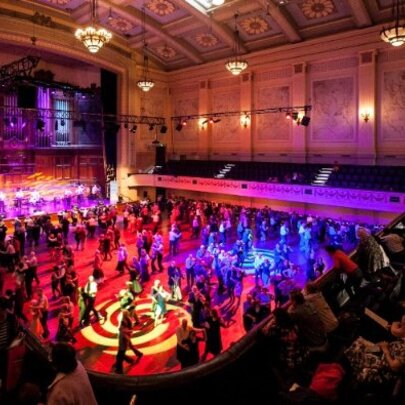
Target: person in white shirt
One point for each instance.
(2, 201)
(71, 384)
(283, 233)
(35, 197)
(90, 293)
(257, 264)
(19, 195)
(96, 190)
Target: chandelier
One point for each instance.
(395, 34)
(91, 37)
(236, 65)
(145, 83)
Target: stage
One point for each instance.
(34, 194)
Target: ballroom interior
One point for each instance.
(293, 104)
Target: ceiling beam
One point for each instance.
(223, 32)
(360, 13)
(155, 28)
(279, 17)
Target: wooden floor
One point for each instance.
(97, 343)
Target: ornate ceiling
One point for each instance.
(183, 33)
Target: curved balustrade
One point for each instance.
(351, 198)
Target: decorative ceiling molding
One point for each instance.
(157, 29)
(360, 13)
(280, 18)
(223, 32)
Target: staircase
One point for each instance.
(322, 177)
(224, 171)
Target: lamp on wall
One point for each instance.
(245, 120)
(395, 34)
(365, 115)
(93, 38)
(236, 65)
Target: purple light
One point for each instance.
(24, 124)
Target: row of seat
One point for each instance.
(385, 178)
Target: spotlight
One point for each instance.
(40, 125)
(151, 127)
(14, 121)
(184, 123)
(211, 120)
(288, 116)
(305, 120)
(163, 129)
(62, 122)
(179, 127)
(134, 128)
(23, 125)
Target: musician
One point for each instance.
(19, 195)
(96, 191)
(35, 197)
(2, 201)
(68, 197)
(79, 193)
(159, 298)
(175, 277)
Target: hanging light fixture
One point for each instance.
(236, 65)
(395, 34)
(145, 84)
(93, 38)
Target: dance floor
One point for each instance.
(97, 343)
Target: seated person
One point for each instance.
(394, 245)
(255, 314)
(378, 363)
(310, 325)
(285, 335)
(317, 300)
(369, 254)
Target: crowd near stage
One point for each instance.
(97, 339)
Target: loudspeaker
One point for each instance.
(160, 155)
(26, 97)
(163, 129)
(305, 121)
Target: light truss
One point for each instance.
(47, 113)
(20, 68)
(273, 110)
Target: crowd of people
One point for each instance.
(210, 282)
